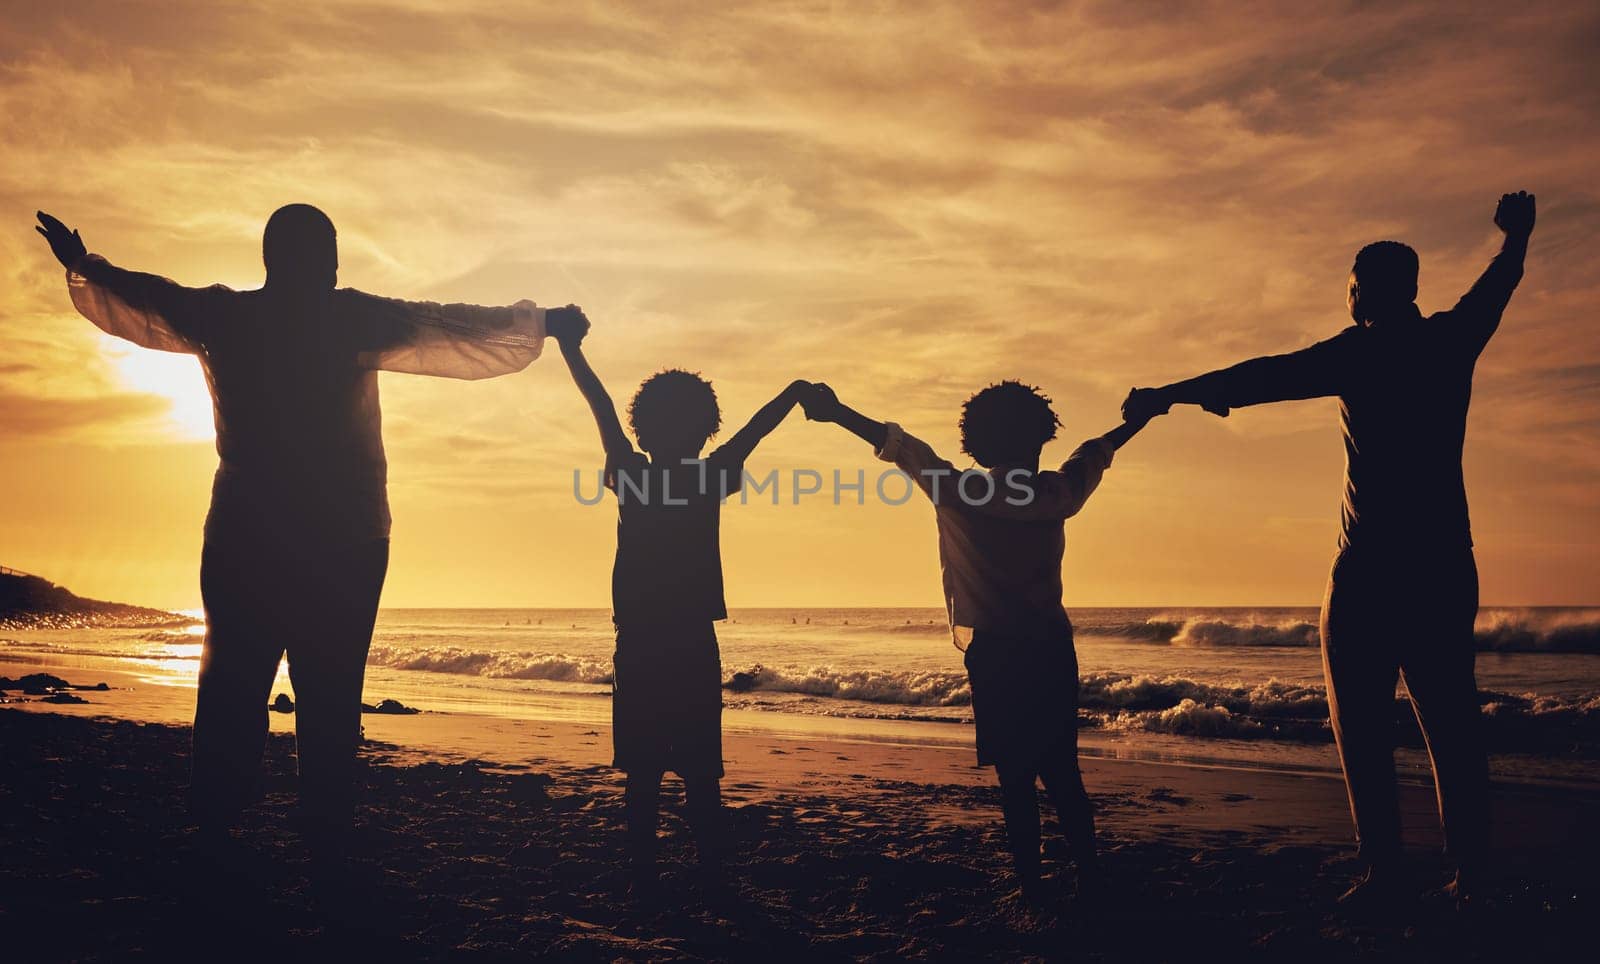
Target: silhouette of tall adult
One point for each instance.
(1402, 596)
(297, 537)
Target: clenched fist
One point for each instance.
(566, 325)
(820, 403)
(1515, 214)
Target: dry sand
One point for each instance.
(843, 849)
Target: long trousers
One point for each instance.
(264, 598)
(1406, 615)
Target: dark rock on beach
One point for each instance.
(390, 708)
(44, 684)
(34, 684)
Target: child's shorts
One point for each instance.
(1024, 697)
(666, 707)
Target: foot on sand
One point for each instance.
(1379, 893)
(1031, 907)
(1463, 891)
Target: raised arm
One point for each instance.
(822, 405)
(1312, 372)
(1478, 312)
(612, 438)
(889, 441)
(761, 424)
(1062, 494)
(451, 341)
(1122, 434)
(146, 309)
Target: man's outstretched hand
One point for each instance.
(1143, 404)
(820, 403)
(1515, 214)
(64, 242)
(566, 325)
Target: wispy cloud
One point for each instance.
(910, 200)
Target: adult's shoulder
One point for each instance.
(356, 298)
(1348, 339)
(219, 299)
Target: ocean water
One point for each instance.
(1239, 686)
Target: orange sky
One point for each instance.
(909, 203)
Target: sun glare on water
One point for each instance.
(176, 378)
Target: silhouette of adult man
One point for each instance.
(297, 537)
(1403, 593)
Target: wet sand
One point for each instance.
(842, 850)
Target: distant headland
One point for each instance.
(32, 602)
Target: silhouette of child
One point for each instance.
(666, 590)
(1000, 548)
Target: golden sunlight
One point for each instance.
(176, 378)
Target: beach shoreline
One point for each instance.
(844, 848)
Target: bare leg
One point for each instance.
(703, 801)
(1019, 802)
(642, 802)
(1064, 781)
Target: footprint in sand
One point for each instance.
(1168, 795)
(1236, 797)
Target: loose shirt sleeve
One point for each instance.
(1062, 494)
(146, 309)
(450, 341)
(932, 474)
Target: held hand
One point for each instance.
(820, 403)
(64, 242)
(1143, 404)
(567, 326)
(1515, 214)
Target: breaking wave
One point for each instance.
(1508, 631)
(905, 688)
(554, 667)
(1113, 702)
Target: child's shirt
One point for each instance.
(1000, 534)
(668, 569)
